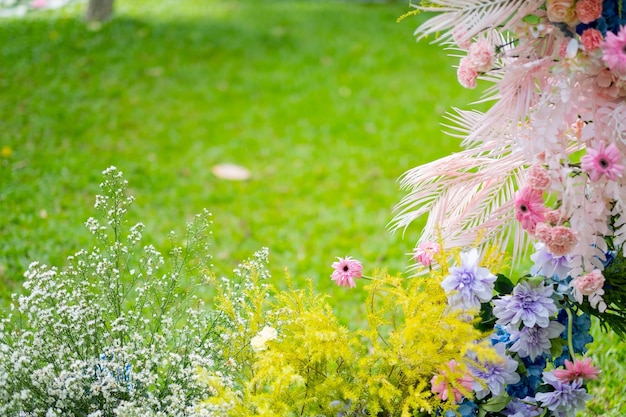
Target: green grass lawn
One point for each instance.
(326, 103)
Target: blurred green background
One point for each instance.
(326, 103)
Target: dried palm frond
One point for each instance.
(476, 15)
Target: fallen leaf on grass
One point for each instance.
(231, 172)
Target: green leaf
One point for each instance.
(487, 319)
(503, 285)
(496, 404)
(556, 349)
(531, 19)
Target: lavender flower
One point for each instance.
(530, 304)
(534, 341)
(567, 397)
(555, 268)
(522, 408)
(495, 375)
(468, 285)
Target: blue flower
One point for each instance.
(567, 397)
(580, 335)
(466, 409)
(612, 19)
(468, 285)
(529, 304)
(495, 376)
(500, 336)
(534, 341)
(529, 381)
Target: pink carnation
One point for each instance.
(460, 37)
(346, 270)
(613, 51)
(467, 73)
(445, 386)
(425, 251)
(591, 39)
(482, 55)
(588, 10)
(562, 241)
(559, 240)
(529, 208)
(591, 286)
(554, 217)
(603, 161)
(538, 179)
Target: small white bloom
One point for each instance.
(258, 342)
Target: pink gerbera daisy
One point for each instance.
(346, 270)
(603, 161)
(529, 208)
(578, 369)
(614, 51)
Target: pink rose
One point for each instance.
(561, 11)
(588, 10)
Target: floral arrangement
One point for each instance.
(124, 330)
(543, 166)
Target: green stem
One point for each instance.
(570, 331)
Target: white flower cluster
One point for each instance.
(119, 331)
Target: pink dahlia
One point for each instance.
(603, 161)
(529, 208)
(424, 252)
(346, 270)
(576, 370)
(614, 51)
(445, 386)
